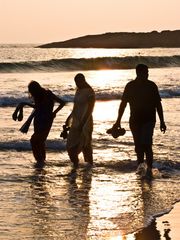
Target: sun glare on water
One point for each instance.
(121, 236)
(107, 78)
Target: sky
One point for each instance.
(44, 21)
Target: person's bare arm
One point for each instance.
(18, 113)
(61, 104)
(67, 122)
(120, 113)
(161, 117)
(22, 104)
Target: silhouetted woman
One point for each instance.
(43, 115)
(81, 122)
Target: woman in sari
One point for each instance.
(80, 122)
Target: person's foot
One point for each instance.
(89, 165)
(75, 165)
(149, 173)
(141, 170)
(39, 165)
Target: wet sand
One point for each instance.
(166, 227)
(169, 224)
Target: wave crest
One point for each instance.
(100, 96)
(71, 64)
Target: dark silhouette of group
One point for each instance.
(141, 94)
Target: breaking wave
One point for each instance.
(71, 64)
(52, 145)
(12, 101)
(100, 96)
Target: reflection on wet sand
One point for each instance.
(149, 233)
(60, 209)
(42, 206)
(151, 201)
(78, 191)
(108, 201)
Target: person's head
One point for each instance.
(35, 89)
(80, 80)
(142, 71)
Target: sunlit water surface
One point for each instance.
(108, 201)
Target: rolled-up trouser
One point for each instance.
(143, 139)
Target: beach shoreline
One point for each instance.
(170, 223)
(165, 226)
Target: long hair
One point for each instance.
(81, 81)
(36, 91)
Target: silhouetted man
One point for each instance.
(144, 100)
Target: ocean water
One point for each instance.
(109, 201)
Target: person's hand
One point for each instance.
(116, 125)
(163, 127)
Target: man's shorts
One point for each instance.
(142, 133)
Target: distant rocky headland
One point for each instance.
(165, 39)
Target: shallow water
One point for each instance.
(106, 201)
(96, 203)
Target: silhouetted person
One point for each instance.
(144, 100)
(43, 115)
(81, 122)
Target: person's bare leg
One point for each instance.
(73, 155)
(88, 154)
(38, 148)
(149, 159)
